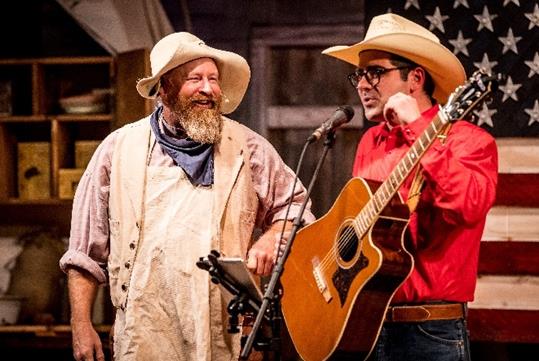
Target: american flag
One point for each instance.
(501, 36)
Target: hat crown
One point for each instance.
(392, 24)
(171, 45)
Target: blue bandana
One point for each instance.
(196, 159)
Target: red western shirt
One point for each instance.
(446, 228)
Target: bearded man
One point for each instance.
(163, 191)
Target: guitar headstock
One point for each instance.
(472, 93)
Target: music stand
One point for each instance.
(239, 286)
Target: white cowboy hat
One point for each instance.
(180, 48)
(394, 34)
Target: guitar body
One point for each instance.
(334, 296)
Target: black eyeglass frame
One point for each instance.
(372, 74)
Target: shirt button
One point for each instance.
(127, 265)
(124, 287)
(132, 245)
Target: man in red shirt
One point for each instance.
(403, 74)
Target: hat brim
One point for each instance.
(444, 67)
(234, 73)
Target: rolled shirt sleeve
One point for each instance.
(89, 235)
(273, 182)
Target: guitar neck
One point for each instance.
(391, 185)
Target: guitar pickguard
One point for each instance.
(342, 278)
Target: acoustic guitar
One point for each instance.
(344, 268)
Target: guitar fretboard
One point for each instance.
(390, 186)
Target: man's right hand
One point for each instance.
(86, 342)
(82, 291)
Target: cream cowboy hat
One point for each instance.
(180, 48)
(394, 34)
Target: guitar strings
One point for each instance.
(344, 244)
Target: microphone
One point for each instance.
(342, 115)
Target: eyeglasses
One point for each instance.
(372, 74)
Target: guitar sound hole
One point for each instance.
(347, 243)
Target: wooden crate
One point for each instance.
(84, 149)
(68, 180)
(34, 170)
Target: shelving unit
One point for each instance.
(36, 86)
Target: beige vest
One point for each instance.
(234, 207)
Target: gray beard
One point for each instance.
(203, 126)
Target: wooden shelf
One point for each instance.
(23, 118)
(58, 117)
(41, 342)
(50, 202)
(45, 330)
(83, 117)
(58, 60)
(54, 213)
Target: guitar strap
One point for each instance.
(419, 180)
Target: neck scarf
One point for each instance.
(196, 159)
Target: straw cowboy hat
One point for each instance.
(394, 34)
(180, 48)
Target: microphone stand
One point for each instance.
(270, 296)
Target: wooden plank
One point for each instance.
(54, 213)
(521, 190)
(510, 258)
(512, 223)
(506, 292)
(286, 117)
(7, 163)
(129, 105)
(45, 329)
(504, 325)
(518, 155)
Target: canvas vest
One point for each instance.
(234, 211)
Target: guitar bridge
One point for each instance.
(320, 280)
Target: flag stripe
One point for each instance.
(509, 258)
(520, 190)
(512, 223)
(507, 292)
(518, 155)
(504, 325)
